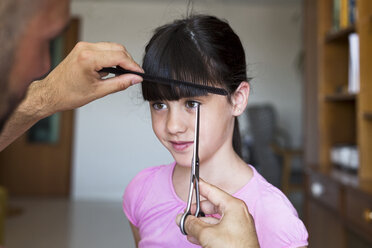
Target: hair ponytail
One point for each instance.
(237, 142)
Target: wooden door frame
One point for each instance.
(18, 172)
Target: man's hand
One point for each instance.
(73, 83)
(76, 81)
(235, 229)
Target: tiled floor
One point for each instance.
(59, 223)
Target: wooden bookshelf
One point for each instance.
(364, 27)
(342, 208)
(343, 117)
(340, 97)
(340, 35)
(368, 116)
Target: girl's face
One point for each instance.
(174, 122)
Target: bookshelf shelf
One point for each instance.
(339, 35)
(339, 97)
(368, 116)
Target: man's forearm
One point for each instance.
(72, 84)
(33, 108)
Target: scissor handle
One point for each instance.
(198, 213)
(182, 222)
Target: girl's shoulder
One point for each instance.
(276, 219)
(146, 183)
(150, 174)
(266, 196)
(151, 171)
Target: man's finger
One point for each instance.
(116, 84)
(194, 226)
(132, 66)
(191, 239)
(219, 198)
(101, 46)
(210, 220)
(111, 58)
(207, 207)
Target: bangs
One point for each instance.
(173, 53)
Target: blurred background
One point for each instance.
(69, 195)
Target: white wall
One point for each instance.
(113, 136)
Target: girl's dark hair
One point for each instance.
(201, 49)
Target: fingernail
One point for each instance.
(136, 80)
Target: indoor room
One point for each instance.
(298, 126)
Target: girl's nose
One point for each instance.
(175, 123)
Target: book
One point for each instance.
(352, 12)
(344, 14)
(336, 15)
(354, 70)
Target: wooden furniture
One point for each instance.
(287, 185)
(338, 208)
(41, 169)
(3, 212)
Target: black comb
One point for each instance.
(160, 80)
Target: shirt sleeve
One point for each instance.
(135, 194)
(277, 222)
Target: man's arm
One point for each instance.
(73, 83)
(28, 112)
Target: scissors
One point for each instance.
(194, 178)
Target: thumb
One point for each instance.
(215, 196)
(194, 226)
(118, 83)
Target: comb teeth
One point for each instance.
(167, 81)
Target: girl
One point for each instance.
(204, 50)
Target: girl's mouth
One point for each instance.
(181, 145)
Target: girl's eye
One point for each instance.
(192, 104)
(159, 105)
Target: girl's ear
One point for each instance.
(240, 98)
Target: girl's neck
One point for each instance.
(225, 170)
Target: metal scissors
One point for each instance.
(194, 178)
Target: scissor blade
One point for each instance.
(195, 157)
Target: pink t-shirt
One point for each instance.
(151, 204)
